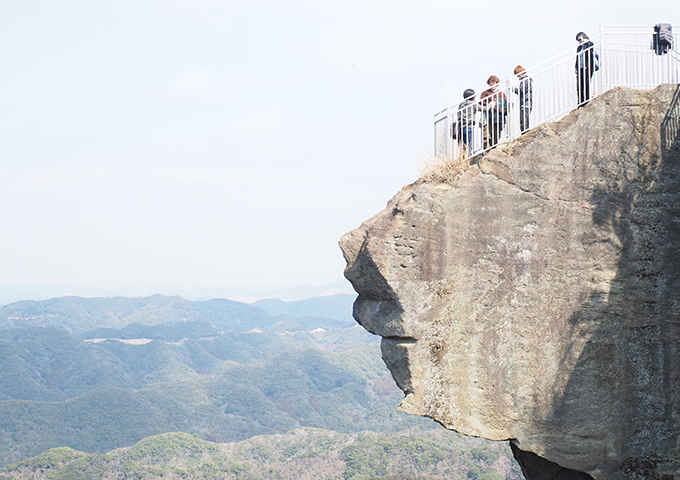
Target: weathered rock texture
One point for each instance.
(537, 298)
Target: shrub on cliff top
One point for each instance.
(443, 169)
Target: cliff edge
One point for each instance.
(536, 298)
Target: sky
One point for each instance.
(168, 144)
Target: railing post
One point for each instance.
(449, 132)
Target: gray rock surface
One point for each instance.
(536, 298)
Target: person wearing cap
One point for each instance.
(525, 90)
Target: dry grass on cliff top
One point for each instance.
(443, 169)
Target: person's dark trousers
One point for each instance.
(495, 129)
(583, 85)
(524, 119)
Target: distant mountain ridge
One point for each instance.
(78, 314)
(334, 306)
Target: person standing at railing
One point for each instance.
(525, 90)
(466, 121)
(585, 67)
(495, 106)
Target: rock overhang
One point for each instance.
(536, 297)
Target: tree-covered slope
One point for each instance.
(52, 365)
(60, 390)
(49, 364)
(285, 396)
(303, 454)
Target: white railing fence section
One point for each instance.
(621, 56)
(670, 127)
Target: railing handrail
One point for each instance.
(625, 59)
(530, 71)
(625, 26)
(566, 53)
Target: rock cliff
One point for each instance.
(536, 298)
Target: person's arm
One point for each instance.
(483, 102)
(578, 50)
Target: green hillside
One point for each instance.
(301, 454)
(60, 390)
(281, 396)
(172, 332)
(49, 364)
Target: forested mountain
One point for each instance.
(60, 390)
(113, 386)
(78, 314)
(302, 454)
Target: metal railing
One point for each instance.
(620, 56)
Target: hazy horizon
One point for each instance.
(14, 292)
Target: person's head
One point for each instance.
(493, 80)
(582, 37)
(468, 94)
(519, 70)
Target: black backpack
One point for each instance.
(662, 40)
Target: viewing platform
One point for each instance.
(620, 56)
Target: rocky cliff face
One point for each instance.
(536, 299)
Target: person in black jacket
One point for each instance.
(525, 90)
(584, 67)
(466, 120)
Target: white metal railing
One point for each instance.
(621, 56)
(670, 126)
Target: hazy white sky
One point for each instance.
(215, 143)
